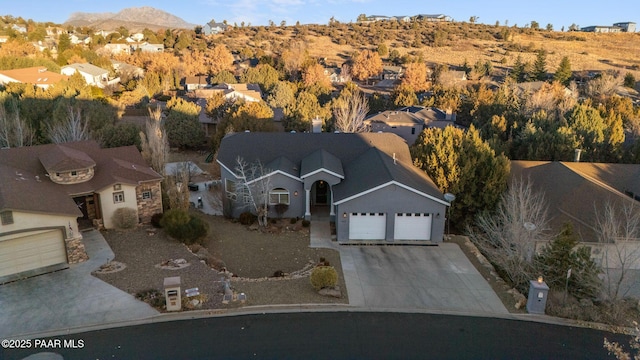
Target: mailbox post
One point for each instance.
(538, 292)
(172, 293)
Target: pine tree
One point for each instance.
(518, 71)
(540, 66)
(563, 74)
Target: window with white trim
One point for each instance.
(230, 189)
(118, 197)
(6, 217)
(279, 196)
(146, 195)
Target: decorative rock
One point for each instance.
(332, 292)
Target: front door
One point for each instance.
(322, 190)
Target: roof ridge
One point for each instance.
(595, 181)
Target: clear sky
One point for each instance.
(258, 12)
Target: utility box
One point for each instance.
(538, 292)
(172, 293)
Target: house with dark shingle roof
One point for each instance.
(365, 182)
(46, 191)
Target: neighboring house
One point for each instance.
(391, 72)
(408, 122)
(55, 31)
(92, 74)
(117, 48)
(19, 28)
(601, 29)
(147, 47)
(378, 18)
(37, 75)
(365, 181)
(103, 33)
(233, 92)
(576, 191)
(79, 39)
(127, 70)
(48, 191)
(213, 27)
(433, 18)
(192, 83)
(403, 18)
(626, 26)
(335, 75)
(3, 39)
(531, 87)
(137, 36)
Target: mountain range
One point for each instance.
(134, 19)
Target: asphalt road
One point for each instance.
(335, 335)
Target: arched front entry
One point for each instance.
(319, 199)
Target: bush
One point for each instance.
(247, 218)
(293, 221)
(324, 276)
(125, 218)
(306, 223)
(184, 227)
(281, 209)
(155, 220)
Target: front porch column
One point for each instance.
(331, 207)
(307, 204)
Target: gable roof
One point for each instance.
(574, 191)
(24, 184)
(393, 117)
(87, 69)
(36, 75)
(365, 160)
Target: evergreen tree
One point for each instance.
(519, 70)
(540, 66)
(562, 254)
(563, 74)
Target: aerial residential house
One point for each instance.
(19, 28)
(213, 27)
(232, 92)
(92, 74)
(37, 75)
(402, 18)
(365, 182)
(391, 72)
(192, 83)
(117, 48)
(433, 17)
(409, 121)
(147, 47)
(3, 39)
(378, 18)
(128, 71)
(80, 39)
(335, 75)
(601, 29)
(49, 192)
(55, 31)
(138, 37)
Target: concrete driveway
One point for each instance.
(68, 298)
(410, 277)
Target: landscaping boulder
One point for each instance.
(331, 292)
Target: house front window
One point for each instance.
(230, 188)
(279, 196)
(74, 173)
(6, 217)
(146, 195)
(118, 197)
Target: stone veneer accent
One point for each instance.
(66, 177)
(76, 252)
(148, 207)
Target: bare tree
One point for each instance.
(177, 188)
(603, 86)
(508, 236)
(154, 143)
(252, 188)
(618, 229)
(73, 128)
(14, 131)
(349, 112)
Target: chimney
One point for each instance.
(316, 125)
(576, 157)
(394, 159)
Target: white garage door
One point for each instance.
(412, 226)
(31, 251)
(367, 226)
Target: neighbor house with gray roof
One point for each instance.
(49, 192)
(364, 182)
(92, 74)
(409, 121)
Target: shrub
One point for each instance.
(125, 218)
(152, 297)
(155, 220)
(324, 276)
(247, 218)
(293, 221)
(281, 209)
(306, 223)
(184, 227)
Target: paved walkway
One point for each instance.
(68, 298)
(410, 277)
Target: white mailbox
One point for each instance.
(172, 293)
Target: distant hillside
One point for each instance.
(134, 19)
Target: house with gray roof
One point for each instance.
(365, 182)
(409, 121)
(49, 192)
(213, 27)
(92, 74)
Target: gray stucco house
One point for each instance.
(365, 182)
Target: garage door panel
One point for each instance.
(412, 226)
(367, 226)
(31, 252)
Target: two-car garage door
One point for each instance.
(373, 226)
(31, 251)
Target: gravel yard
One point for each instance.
(251, 256)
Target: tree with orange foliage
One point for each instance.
(366, 64)
(218, 58)
(415, 77)
(314, 75)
